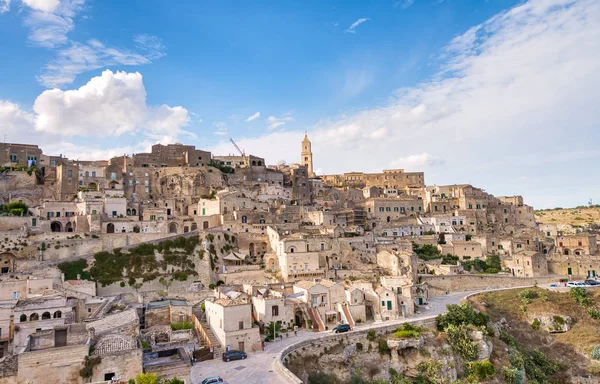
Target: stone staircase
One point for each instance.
(101, 310)
(346, 314)
(207, 334)
(316, 319)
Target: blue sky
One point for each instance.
(500, 94)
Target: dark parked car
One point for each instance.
(234, 355)
(592, 282)
(342, 328)
(212, 380)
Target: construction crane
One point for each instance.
(236, 147)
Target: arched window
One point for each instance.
(57, 314)
(23, 318)
(186, 229)
(292, 249)
(244, 219)
(133, 211)
(129, 212)
(46, 315)
(194, 226)
(34, 317)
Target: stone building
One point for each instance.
(19, 154)
(231, 322)
(527, 264)
(580, 244)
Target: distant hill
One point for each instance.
(583, 217)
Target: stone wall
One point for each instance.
(11, 223)
(439, 285)
(317, 345)
(125, 364)
(54, 365)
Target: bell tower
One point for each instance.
(306, 155)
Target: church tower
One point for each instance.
(307, 159)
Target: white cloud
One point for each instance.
(352, 28)
(82, 57)
(253, 117)
(50, 21)
(522, 82)
(4, 6)
(42, 5)
(111, 104)
(276, 122)
(403, 3)
(14, 119)
(221, 128)
(416, 162)
(356, 81)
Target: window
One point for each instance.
(275, 310)
(114, 213)
(87, 174)
(13, 158)
(16, 295)
(69, 173)
(93, 173)
(241, 324)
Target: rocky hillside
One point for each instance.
(581, 217)
(518, 336)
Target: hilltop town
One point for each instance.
(149, 263)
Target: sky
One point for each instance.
(500, 94)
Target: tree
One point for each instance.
(16, 208)
(146, 378)
(272, 331)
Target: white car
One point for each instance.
(574, 284)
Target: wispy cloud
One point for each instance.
(4, 6)
(221, 128)
(50, 21)
(415, 162)
(276, 122)
(403, 3)
(477, 102)
(352, 28)
(78, 58)
(254, 116)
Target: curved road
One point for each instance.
(260, 368)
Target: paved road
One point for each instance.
(258, 367)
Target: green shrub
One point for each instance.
(528, 295)
(559, 320)
(408, 331)
(536, 324)
(594, 314)
(595, 353)
(581, 296)
(73, 268)
(460, 314)
(181, 325)
(371, 335)
(482, 370)
(461, 343)
(512, 375)
(382, 346)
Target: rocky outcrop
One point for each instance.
(553, 323)
(484, 347)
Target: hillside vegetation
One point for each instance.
(579, 217)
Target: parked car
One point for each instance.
(212, 380)
(234, 355)
(342, 328)
(574, 284)
(592, 282)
